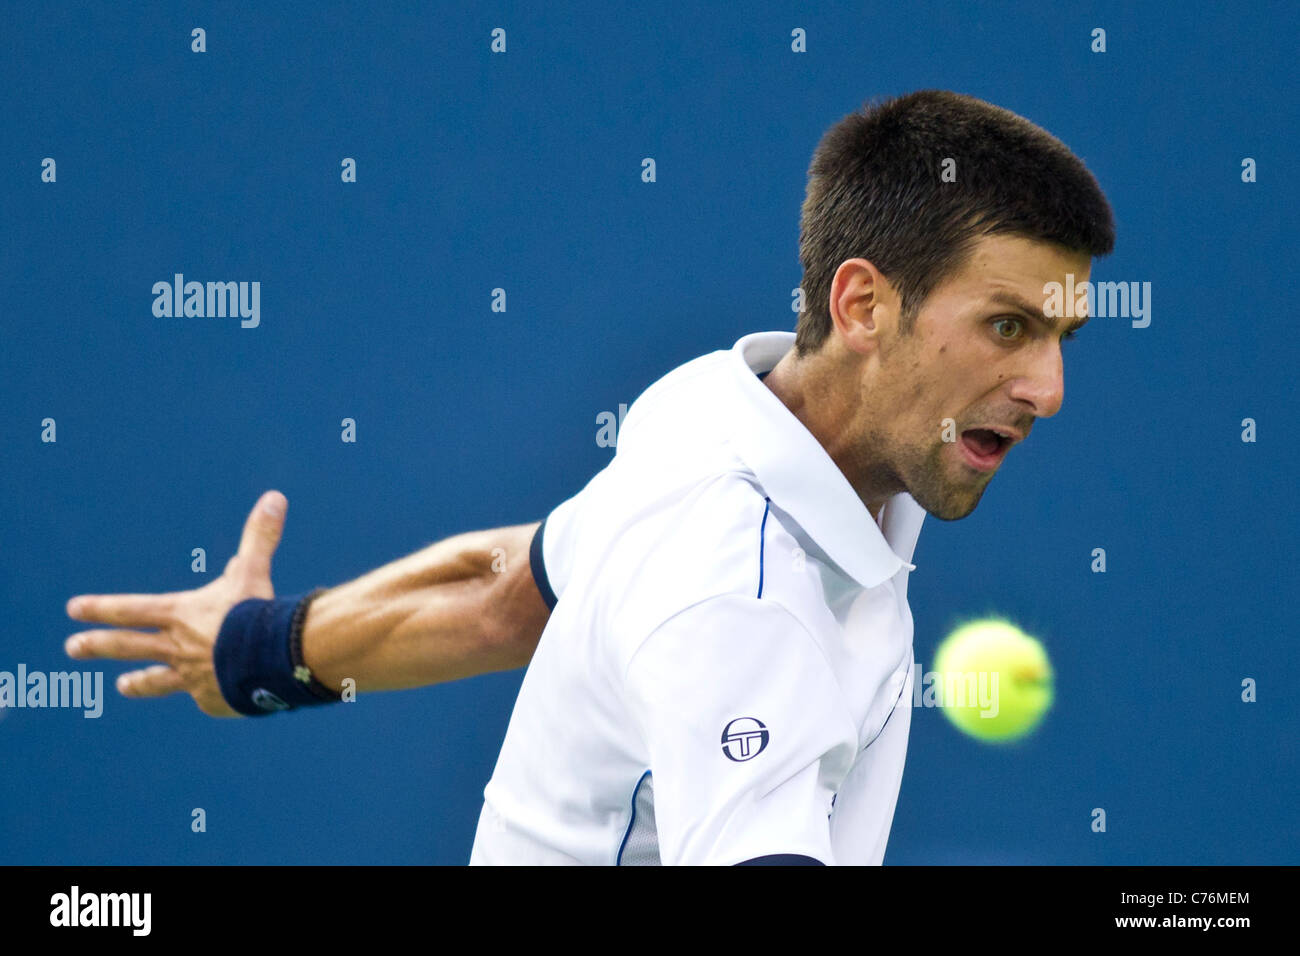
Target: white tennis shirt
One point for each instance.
(726, 674)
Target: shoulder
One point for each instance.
(722, 547)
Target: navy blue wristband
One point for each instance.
(255, 658)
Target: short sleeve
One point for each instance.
(551, 552)
(746, 730)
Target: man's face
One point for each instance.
(982, 355)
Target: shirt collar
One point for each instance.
(800, 477)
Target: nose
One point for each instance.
(1042, 385)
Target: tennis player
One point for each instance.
(724, 668)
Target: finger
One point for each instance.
(151, 682)
(262, 531)
(119, 645)
(128, 610)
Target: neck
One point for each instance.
(814, 393)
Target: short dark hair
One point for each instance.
(875, 192)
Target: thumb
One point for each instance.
(262, 532)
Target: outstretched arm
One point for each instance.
(463, 606)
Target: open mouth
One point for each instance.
(984, 448)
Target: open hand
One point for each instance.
(186, 622)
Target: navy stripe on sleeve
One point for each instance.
(782, 859)
(539, 567)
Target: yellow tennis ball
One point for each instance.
(994, 680)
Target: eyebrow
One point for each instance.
(1016, 302)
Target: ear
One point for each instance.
(863, 306)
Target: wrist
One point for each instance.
(258, 657)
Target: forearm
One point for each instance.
(463, 606)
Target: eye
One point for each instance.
(1069, 335)
(1005, 320)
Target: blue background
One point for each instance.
(522, 171)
